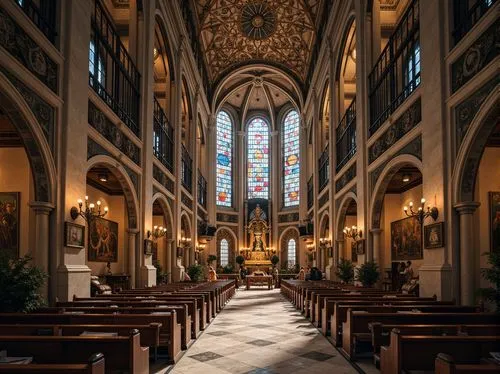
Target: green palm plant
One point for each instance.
(492, 275)
(345, 270)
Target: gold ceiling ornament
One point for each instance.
(258, 21)
(281, 33)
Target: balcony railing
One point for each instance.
(397, 71)
(163, 137)
(466, 16)
(324, 169)
(112, 73)
(42, 15)
(187, 170)
(346, 136)
(310, 192)
(202, 190)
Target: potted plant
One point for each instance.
(492, 275)
(161, 275)
(20, 282)
(274, 260)
(211, 258)
(240, 260)
(228, 269)
(345, 271)
(368, 274)
(195, 272)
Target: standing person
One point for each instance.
(212, 275)
(408, 272)
(302, 274)
(275, 276)
(243, 272)
(308, 273)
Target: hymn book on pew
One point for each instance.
(4, 359)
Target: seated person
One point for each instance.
(186, 277)
(212, 275)
(243, 272)
(302, 274)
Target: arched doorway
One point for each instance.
(395, 237)
(27, 174)
(476, 198)
(113, 238)
(163, 255)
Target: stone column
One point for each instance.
(375, 252)
(132, 256)
(467, 261)
(168, 254)
(274, 189)
(239, 186)
(41, 253)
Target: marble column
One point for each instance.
(41, 253)
(375, 251)
(132, 256)
(467, 261)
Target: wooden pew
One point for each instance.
(339, 318)
(123, 353)
(413, 352)
(150, 334)
(95, 365)
(445, 364)
(358, 323)
(170, 332)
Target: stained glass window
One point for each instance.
(224, 186)
(224, 252)
(292, 252)
(291, 164)
(258, 159)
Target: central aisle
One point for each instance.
(261, 332)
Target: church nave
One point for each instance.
(260, 332)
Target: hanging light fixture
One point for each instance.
(353, 233)
(90, 212)
(157, 232)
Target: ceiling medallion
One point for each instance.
(258, 21)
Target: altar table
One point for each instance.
(259, 279)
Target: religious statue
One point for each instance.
(258, 228)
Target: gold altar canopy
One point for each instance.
(258, 253)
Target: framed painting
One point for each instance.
(360, 246)
(9, 222)
(74, 235)
(494, 202)
(406, 239)
(103, 240)
(434, 235)
(148, 246)
(354, 252)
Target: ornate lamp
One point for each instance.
(90, 212)
(158, 232)
(200, 247)
(325, 242)
(353, 233)
(310, 247)
(184, 242)
(422, 213)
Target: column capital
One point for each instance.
(376, 231)
(41, 207)
(133, 231)
(240, 133)
(274, 133)
(467, 207)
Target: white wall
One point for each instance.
(117, 213)
(15, 176)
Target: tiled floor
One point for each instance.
(259, 331)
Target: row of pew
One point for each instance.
(120, 332)
(399, 332)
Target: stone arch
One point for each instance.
(186, 224)
(167, 212)
(160, 21)
(341, 214)
(286, 235)
(324, 223)
(126, 183)
(36, 146)
(227, 233)
(385, 177)
(471, 150)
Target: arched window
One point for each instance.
(224, 186)
(291, 162)
(258, 159)
(292, 252)
(224, 252)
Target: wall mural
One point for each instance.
(406, 239)
(9, 222)
(103, 240)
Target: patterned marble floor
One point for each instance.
(260, 332)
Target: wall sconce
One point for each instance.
(90, 211)
(310, 247)
(325, 242)
(353, 233)
(184, 242)
(422, 213)
(157, 232)
(200, 247)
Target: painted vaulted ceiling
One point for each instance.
(281, 33)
